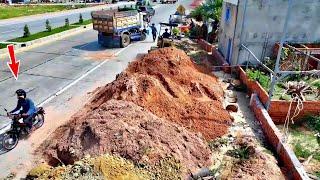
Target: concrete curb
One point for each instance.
(26, 45)
(286, 156)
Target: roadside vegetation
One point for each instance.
(305, 141)
(28, 36)
(206, 14)
(2, 45)
(18, 11)
(42, 34)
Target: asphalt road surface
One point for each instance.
(51, 67)
(13, 28)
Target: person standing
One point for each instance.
(154, 32)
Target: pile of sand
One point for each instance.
(145, 116)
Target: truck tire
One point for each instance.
(125, 40)
(143, 36)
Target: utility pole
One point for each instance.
(276, 69)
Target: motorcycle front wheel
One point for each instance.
(10, 141)
(38, 121)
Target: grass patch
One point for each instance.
(42, 34)
(85, 22)
(2, 46)
(26, 10)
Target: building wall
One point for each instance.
(227, 32)
(260, 26)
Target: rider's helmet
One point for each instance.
(153, 24)
(21, 92)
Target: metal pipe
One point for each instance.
(299, 72)
(310, 56)
(276, 69)
(254, 56)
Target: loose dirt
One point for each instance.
(145, 116)
(167, 83)
(125, 129)
(243, 152)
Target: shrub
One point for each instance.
(300, 151)
(259, 76)
(66, 24)
(80, 19)
(175, 31)
(211, 9)
(26, 32)
(313, 122)
(48, 26)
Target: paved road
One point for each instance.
(47, 69)
(12, 28)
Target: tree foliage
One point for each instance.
(211, 9)
(26, 32)
(48, 26)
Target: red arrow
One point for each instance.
(13, 64)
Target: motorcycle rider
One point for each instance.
(26, 107)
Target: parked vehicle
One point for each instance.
(178, 19)
(147, 9)
(118, 28)
(142, 3)
(17, 129)
(168, 1)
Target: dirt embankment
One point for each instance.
(145, 115)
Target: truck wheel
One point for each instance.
(143, 36)
(125, 40)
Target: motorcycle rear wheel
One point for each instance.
(10, 141)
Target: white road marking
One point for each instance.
(8, 31)
(63, 89)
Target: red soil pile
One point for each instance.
(144, 115)
(125, 129)
(167, 83)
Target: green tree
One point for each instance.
(66, 24)
(26, 32)
(211, 9)
(80, 19)
(48, 26)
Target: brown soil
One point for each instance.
(260, 165)
(144, 115)
(125, 129)
(167, 83)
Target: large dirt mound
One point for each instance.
(125, 129)
(167, 83)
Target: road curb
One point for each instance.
(19, 47)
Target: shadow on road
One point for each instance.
(91, 46)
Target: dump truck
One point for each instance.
(118, 28)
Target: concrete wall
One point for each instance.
(228, 30)
(263, 21)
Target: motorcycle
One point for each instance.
(17, 129)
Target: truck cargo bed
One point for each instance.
(109, 21)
